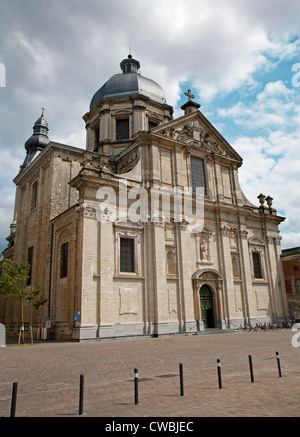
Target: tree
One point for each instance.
(13, 284)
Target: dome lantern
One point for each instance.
(130, 65)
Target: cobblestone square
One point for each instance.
(48, 376)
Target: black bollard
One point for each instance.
(14, 400)
(278, 364)
(251, 368)
(181, 379)
(81, 389)
(136, 386)
(219, 373)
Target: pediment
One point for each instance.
(196, 131)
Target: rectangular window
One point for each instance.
(198, 173)
(257, 265)
(64, 260)
(29, 260)
(298, 286)
(127, 255)
(122, 129)
(96, 138)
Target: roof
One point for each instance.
(291, 250)
(128, 83)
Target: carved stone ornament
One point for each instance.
(158, 220)
(243, 233)
(192, 133)
(273, 238)
(227, 231)
(86, 210)
(183, 225)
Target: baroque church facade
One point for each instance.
(106, 276)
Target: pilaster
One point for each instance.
(86, 305)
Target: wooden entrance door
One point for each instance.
(207, 306)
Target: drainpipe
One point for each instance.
(50, 272)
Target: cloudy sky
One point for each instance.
(240, 58)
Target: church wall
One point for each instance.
(128, 307)
(65, 166)
(37, 202)
(62, 297)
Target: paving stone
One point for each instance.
(48, 377)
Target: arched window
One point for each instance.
(171, 261)
(235, 265)
(34, 193)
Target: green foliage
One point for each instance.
(38, 302)
(13, 284)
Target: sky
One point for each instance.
(240, 58)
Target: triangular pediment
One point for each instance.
(197, 132)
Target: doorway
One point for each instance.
(207, 306)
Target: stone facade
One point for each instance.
(291, 269)
(234, 258)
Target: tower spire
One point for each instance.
(38, 140)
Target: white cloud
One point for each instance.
(263, 171)
(275, 106)
(57, 57)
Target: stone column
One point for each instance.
(279, 292)
(156, 170)
(197, 305)
(186, 249)
(220, 305)
(246, 272)
(105, 125)
(226, 271)
(159, 323)
(108, 300)
(139, 118)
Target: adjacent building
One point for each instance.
(291, 269)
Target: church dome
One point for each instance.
(127, 83)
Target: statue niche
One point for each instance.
(203, 241)
(204, 249)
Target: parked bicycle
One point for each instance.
(265, 326)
